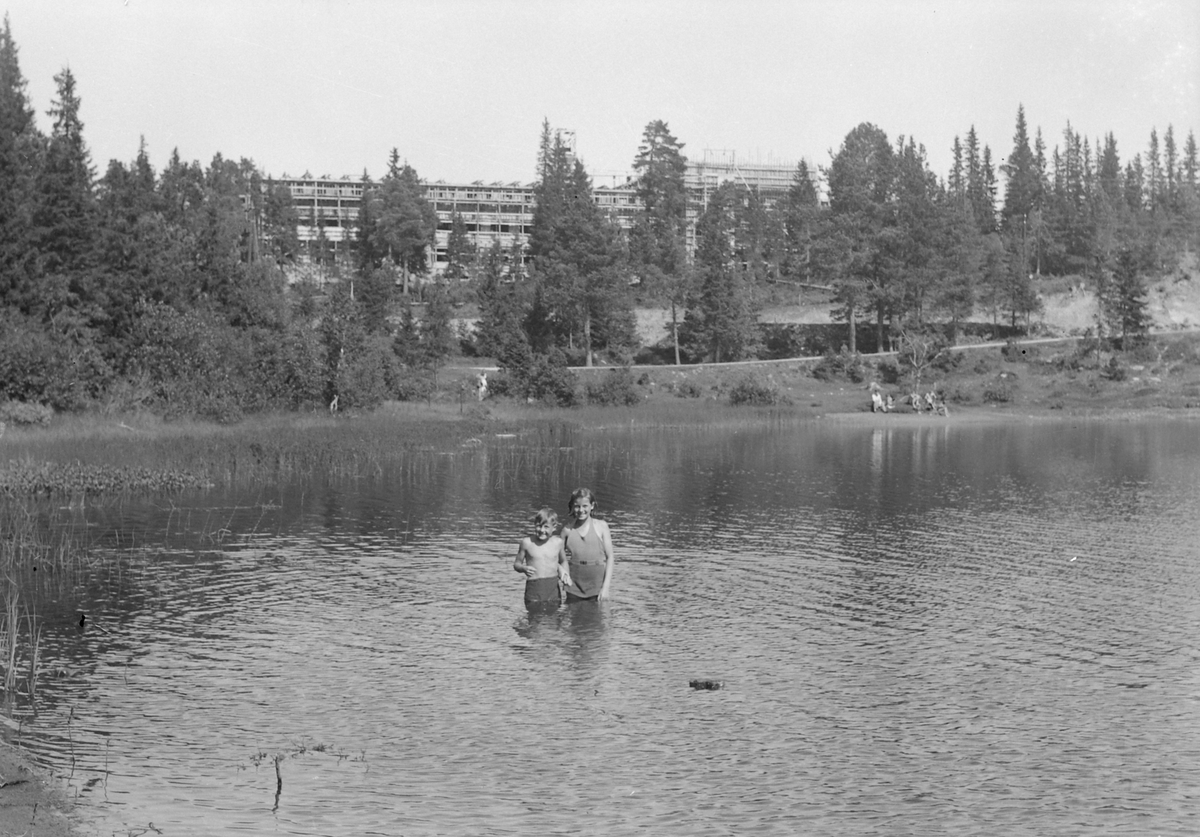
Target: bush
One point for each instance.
(843, 364)
(751, 391)
(21, 413)
(65, 371)
(1000, 390)
(368, 377)
(1015, 352)
(1114, 371)
(687, 389)
(888, 371)
(948, 361)
(417, 385)
(501, 384)
(545, 378)
(615, 389)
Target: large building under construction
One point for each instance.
(503, 212)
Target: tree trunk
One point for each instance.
(675, 332)
(853, 335)
(587, 337)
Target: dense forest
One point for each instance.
(169, 290)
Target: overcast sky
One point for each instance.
(460, 87)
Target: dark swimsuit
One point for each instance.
(587, 561)
(542, 593)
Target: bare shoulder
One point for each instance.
(601, 526)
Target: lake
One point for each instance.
(920, 628)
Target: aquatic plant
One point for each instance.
(77, 478)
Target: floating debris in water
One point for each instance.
(706, 685)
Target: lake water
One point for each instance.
(921, 628)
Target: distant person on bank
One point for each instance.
(589, 550)
(540, 557)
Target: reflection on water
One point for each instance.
(922, 629)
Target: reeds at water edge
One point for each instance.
(39, 551)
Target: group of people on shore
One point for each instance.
(932, 402)
(572, 560)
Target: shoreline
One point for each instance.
(30, 802)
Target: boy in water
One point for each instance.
(542, 559)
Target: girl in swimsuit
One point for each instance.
(543, 562)
(588, 545)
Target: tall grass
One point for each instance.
(40, 554)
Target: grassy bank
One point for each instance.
(96, 454)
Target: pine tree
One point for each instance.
(986, 211)
(403, 222)
(1155, 183)
(659, 228)
(64, 220)
(1171, 169)
(1124, 300)
(801, 217)
(460, 252)
(1189, 161)
(1022, 186)
(1110, 169)
(657, 241)
(578, 263)
(499, 332)
(1135, 189)
(856, 252)
(958, 177)
(21, 148)
(723, 324)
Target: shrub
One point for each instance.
(1015, 352)
(845, 364)
(752, 391)
(368, 377)
(1114, 370)
(546, 378)
(500, 384)
(888, 371)
(687, 389)
(1000, 390)
(22, 413)
(417, 385)
(616, 388)
(948, 361)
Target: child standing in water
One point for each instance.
(589, 549)
(541, 558)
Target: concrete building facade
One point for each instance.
(502, 213)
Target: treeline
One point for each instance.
(899, 249)
(167, 290)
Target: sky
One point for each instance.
(461, 87)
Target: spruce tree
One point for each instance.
(460, 252)
(658, 233)
(21, 149)
(1124, 300)
(64, 220)
(403, 223)
(1021, 187)
(722, 326)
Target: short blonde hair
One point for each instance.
(545, 516)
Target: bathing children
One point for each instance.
(541, 558)
(589, 549)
